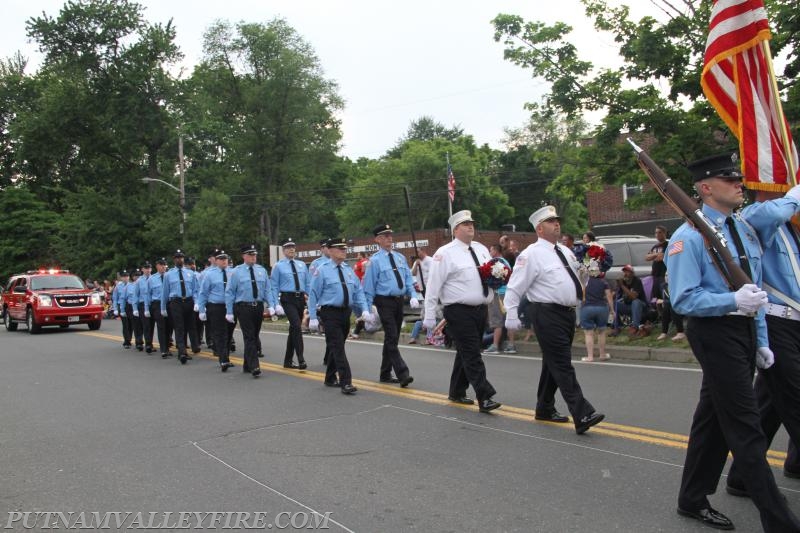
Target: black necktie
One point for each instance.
(224, 278)
(183, 283)
(575, 280)
(296, 278)
(737, 240)
(253, 283)
(396, 272)
(344, 287)
(478, 264)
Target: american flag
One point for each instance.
(451, 184)
(737, 81)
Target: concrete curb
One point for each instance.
(531, 348)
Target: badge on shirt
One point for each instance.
(675, 248)
(437, 257)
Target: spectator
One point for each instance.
(420, 269)
(630, 301)
(656, 255)
(669, 315)
(497, 313)
(360, 268)
(595, 312)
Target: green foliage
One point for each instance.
(27, 228)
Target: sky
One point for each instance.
(394, 61)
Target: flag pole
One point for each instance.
(447, 181)
(787, 148)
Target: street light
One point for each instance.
(182, 202)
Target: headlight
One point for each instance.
(45, 300)
(94, 299)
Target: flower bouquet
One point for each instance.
(495, 273)
(595, 260)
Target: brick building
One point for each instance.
(609, 214)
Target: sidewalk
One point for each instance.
(531, 348)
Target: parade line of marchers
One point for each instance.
(167, 520)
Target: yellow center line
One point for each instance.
(634, 433)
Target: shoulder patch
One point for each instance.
(437, 257)
(675, 247)
(520, 262)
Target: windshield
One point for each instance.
(39, 283)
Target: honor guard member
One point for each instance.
(778, 387)
(210, 262)
(727, 333)
(178, 295)
(386, 283)
(312, 268)
(289, 282)
(546, 274)
(335, 290)
(248, 290)
(455, 281)
(118, 299)
(132, 309)
(211, 304)
(152, 310)
(144, 318)
(191, 264)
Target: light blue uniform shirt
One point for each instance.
(326, 289)
(696, 287)
(155, 284)
(172, 285)
(240, 287)
(141, 289)
(769, 219)
(283, 279)
(132, 294)
(118, 296)
(381, 281)
(212, 288)
(316, 263)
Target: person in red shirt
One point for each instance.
(360, 268)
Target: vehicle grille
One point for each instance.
(71, 300)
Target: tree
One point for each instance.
(26, 231)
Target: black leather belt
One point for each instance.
(209, 304)
(297, 294)
(334, 308)
(377, 296)
(481, 306)
(557, 307)
(249, 304)
(179, 299)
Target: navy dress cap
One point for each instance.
(249, 249)
(136, 273)
(123, 273)
(725, 166)
(381, 229)
(178, 253)
(147, 264)
(288, 242)
(220, 254)
(337, 242)
(161, 261)
(190, 260)
(323, 242)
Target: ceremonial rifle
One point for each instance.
(716, 242)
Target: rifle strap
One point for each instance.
(717, 260)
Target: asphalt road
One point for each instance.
(87, 426)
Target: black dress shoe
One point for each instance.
(406, 381)
(331, 383)
(302, 365)
(709, 517)
(224, 367)
(139, 347)
(149, 349)
(484, 406)
(348, 389)
(462, 400)
(195, 350)
(260, 354)
(390, 380)
(553, 416)
(256, 372)
(588, 421)
(188, 357)
(294, 367)
(126, 346)
(233, 347)
(183, 359)
(736, 490)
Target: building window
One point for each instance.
(630, 191)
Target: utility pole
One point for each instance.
(182, 191)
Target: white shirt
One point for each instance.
(541, 277)
(454, 278)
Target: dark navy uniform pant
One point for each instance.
(727, 419)
(135, 325)
(147, 326)
(465, 325)
(293, 304)
(217, 326)
(126, 326)
(160, 323)
(337, 325)
(181, 310)
(251, 316)
(390, 310)
(557, 325)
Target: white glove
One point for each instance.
(794, 192)
(271, 310)
(414, 303)
(429, 324)
(116, 313)
(196, 308)
(122, 313)
(164, 313)
(313, 324)
(764, 358)
(203, 317)
(279, 310)
(147, 314)
(136, 313)
(229, 318)
(750, 298)
(513, 324)
(366, 315)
